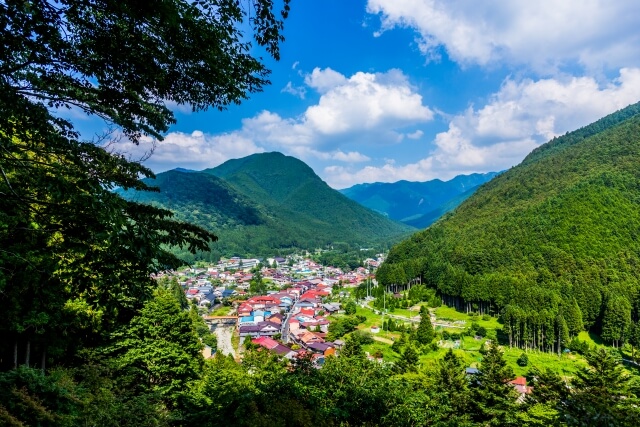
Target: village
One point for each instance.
(285, 305)
(289, 310)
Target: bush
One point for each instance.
(523, 360)
(486, 317)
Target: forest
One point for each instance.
(551, 245)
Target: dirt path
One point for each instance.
(224, 334)
(384, 340)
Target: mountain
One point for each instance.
(417, 203)
(552, 242)
(265, 202)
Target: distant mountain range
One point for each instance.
(267, 202)
(418, 204)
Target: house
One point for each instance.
(520, 385)
(262, 329)
(273, 346)
(246, 321)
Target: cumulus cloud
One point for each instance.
(543, 33)
(196, 150)
(366, 105)
(519, 117)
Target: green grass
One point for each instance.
(388, 355)
(221, 311)
(565, 365)
(448, 313)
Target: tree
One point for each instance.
(352, 348)
(616, 320)
(493, 397)
(160, 349)
(257, 286)
(425, 333)
(409, 361)
(523, 360)
(452, 386)
(62, 228)
(601, 394)
(350, 308)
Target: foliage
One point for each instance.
(350, 308)
(550, 244)
(78, 256)
(523, 360)
(425, 333)
(342, 326)
(600, 394)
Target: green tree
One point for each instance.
(425, 332)
(523, 360)
(178, 292)
(452, 386)
(616, 320)
(159, 350)
(352, 348)
(494, 399)
(350, 308)
(257, 285)
(62, 228)
(601, 395)
(409, 361)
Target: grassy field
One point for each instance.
(565, 365)
(221, 311)
(450, 314)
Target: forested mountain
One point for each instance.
(553, 243)
(417, 204)
(266, 202)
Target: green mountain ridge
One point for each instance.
(417, 204)
(267, 202)
(561, 227)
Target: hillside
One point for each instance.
(559, 230)
(265, 202)
(417, 204)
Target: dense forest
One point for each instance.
(552, 244)
(264, 204)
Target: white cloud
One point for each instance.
(543, 33)
(192, 151)
(364, 102)
(365, 105)
(415, 135)
(518, 118)
(298, 91)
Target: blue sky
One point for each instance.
(384, 90)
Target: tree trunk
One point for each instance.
(15, 355)
(28, 355)
(43, 360)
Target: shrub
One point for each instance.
(523, 360)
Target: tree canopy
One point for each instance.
(76, 257)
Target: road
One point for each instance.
(224, 334)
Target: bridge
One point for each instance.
(221, 320)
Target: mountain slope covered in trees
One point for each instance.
(417, 204)
(553, 243)
(265, 202)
